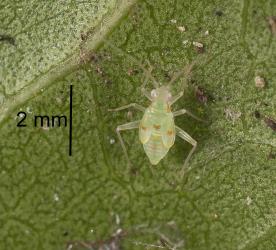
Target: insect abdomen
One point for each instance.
(155, 149)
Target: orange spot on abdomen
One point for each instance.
(169, 132)
(144, 128)
(156, 126)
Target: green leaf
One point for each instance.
(42, 42)
(226, 199)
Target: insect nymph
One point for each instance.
(157, 130)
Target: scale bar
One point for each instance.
(71, 120)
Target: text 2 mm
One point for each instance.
(43, 121)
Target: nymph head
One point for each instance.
(162, 94)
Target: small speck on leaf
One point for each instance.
(56, 197)
(259, 82)
(248, 200)
(185, 43)
(83, 36)
(198, 47)
(257, 114)
(232, 114)
(201, 96)
(95, 58)
(218, 13)
(181, 28)
(132, 71)
(272, 155)
(85, 56)
(99, 70)
(112, 243)
(7, 38)
(29, 110)
(272, 24)
(270, 123)
(198, 44)
(65, 233)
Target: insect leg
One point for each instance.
(184, 111)
(185, 136)
(127, 126)
(134, 105)
(175, 98)
(146, 94)
(186, 71)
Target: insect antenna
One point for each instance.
(186, 71)
(148, 76)
(137, 62)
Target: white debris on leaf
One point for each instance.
(29, 110)
(186, 43)
(173, 21)
(56, 197)
(248, 200)
(181, 28)
(232, 114)
(197, 44)
(70, 246)
(118, 232)
(259, 82)
(112, 141)
(117, 219)
(272, 24)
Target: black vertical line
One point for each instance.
(71, 120)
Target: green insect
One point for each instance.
(157, 130)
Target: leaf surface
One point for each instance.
(227, 197)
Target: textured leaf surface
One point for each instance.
(227, 197)
(43, 41)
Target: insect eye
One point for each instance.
(153, 93)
